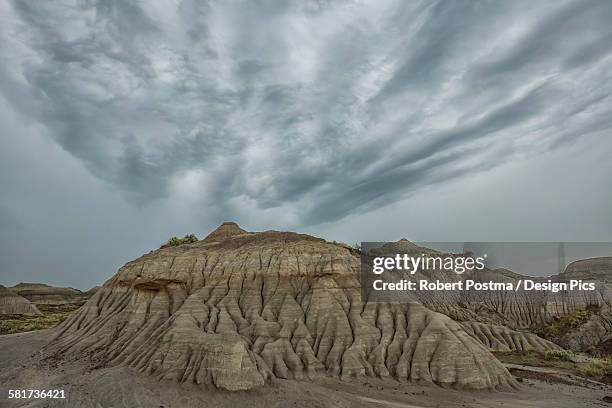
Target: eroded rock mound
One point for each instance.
(239, 308)
(521, 312)
(41, 293)
(13, 304)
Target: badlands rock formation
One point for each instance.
(41, 293)
(237, 309)
(13, 304)
(501, 338)
(596, 334)
(599, 269)
(499, 313)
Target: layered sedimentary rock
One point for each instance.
(41, 293)
(13, 304)
(501, 338)
(593, 334)
(224, 231)
(596, 334)
(238, 308)
(599, 269)
(89, 293)
(521, 312)
(536, 310)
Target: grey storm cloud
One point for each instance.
(125, 122)
(328, 106)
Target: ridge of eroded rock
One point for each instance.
(237, 311)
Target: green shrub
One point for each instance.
(559, 355)
(187, 239)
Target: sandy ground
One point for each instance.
(118, 387)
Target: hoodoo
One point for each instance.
(239, 308)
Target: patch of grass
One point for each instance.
(599, 368)
(52, 315)
(559, 355)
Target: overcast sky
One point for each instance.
(124, 123)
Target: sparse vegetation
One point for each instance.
(187, 239)
(52, 315)
(565, 324)
(599, 368)
(559, 355)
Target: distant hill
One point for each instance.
(13, 304)
(599, 269)
(41, 293)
